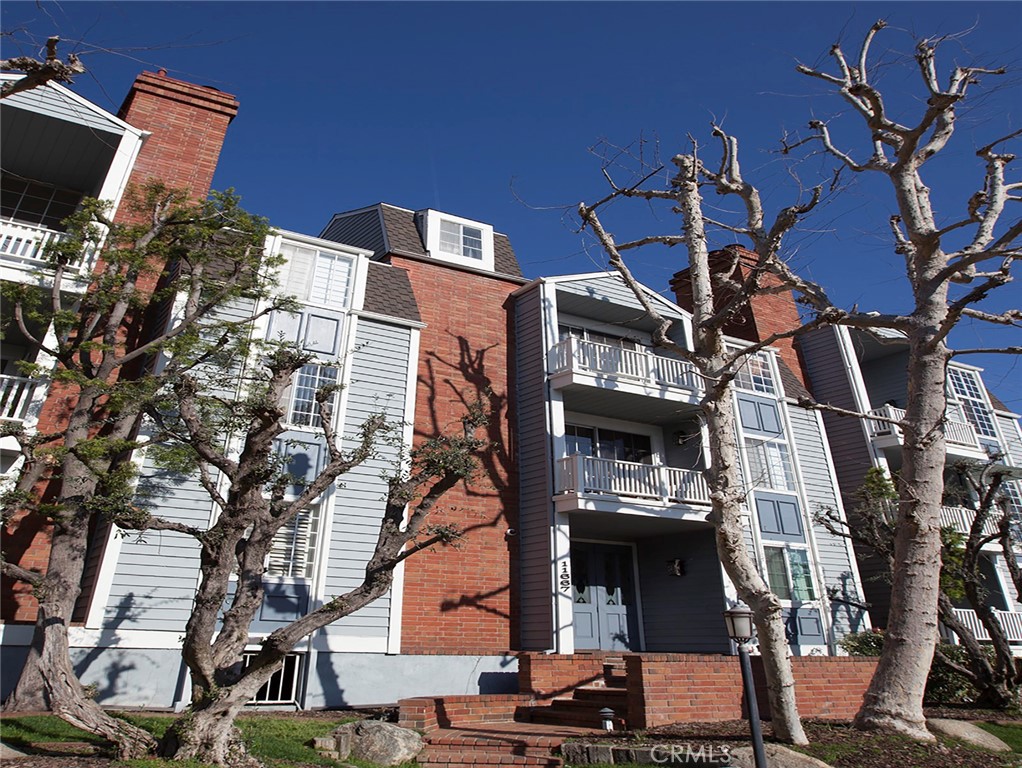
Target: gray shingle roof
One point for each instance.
(389, 292)
(385, 228)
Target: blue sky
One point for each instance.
(489, 110)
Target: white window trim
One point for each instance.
(431, 236)
(787, 548)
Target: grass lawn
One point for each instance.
(1009, 734)
(279, 741)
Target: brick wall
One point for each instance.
(546, 675)
(464, 597)
(427, 713)
(188, 124)
(669, 688)
(764, 315)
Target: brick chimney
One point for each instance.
(188, 124)
(765, 314)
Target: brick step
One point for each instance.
(578, 717)
(614, 697)
(474, 757)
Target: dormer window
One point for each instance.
(461, 240)
(457, 240)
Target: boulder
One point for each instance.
(377, 742)
(968, 732)
(777, 757)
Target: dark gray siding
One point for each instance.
(362, 229)
(821, 493)
(830, 383)
(1012, 441)
(682, 614)
(886, 380)
(534, 469)
(379, 381)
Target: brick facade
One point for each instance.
(187, 124)
(668, 688)
(463, 596)
(765, 314)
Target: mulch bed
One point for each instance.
(842, 746)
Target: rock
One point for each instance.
(377, 742)
(9, 753)
(968, 732)
(777, 757)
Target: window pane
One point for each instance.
(754, 375)
(310, 378)
(330, 283)
(777, 573)
(472, 242)
(801, 577)
(450, 237)
(770, 464)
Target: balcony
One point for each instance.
(623, 378)
(16, 396)
(586, 482)
(959, 436)
(23, 247)
(960, 519)
(1011, 623)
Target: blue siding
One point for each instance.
(379, 381)
(838, 573)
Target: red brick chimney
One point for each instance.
(188, 124)
(764, 315)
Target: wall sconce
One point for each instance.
(676, 567)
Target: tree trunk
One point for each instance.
(50, 660)
(726, 494)
(207, 733)
(894, 699)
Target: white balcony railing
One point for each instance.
(1011, 623)
(960, 518)
(637, 365)
(16, 397)
(25, 244)
(955, 432)
(629, 479)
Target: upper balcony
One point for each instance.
(17, 396)
(960, 437)
(1011, 623)
(577, 365)
(591, 483)
(23, 253)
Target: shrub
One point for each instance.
(943, 686)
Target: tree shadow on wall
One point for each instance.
(465, 380)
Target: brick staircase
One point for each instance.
(581, 706)
(497, 744)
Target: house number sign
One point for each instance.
(565, 578)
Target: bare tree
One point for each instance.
(983, 263)
(898, 153)
(99, 355)
(717, 298)
(50, 69)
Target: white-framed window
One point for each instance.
(770, 464)
(35, 202)
(788, 573)
(966, 389)
(754, 374)
(461, 240)
(303, 411)
(316, 276)
(604, 443)
(587, 334)
(293, 552)
(457, 240)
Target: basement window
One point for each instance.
(283, 685)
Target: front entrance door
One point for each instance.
(604, 594)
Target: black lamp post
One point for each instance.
(740, 629)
